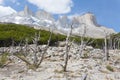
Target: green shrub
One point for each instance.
(18, 33)
(3, 59)
(110, 68)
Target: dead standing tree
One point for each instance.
(36, 60)
(106, 51)
(45, 49)
(35, 49)
(84, 41)
(116, 43)
(67, 47)
(82, 45)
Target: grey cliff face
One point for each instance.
(26, 12)
(44, 15)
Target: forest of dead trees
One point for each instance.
(110, 42)
(34, 56)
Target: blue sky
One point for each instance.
(107, 12)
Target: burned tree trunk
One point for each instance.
(82, 43)
(106, 49)
(106, 46)
(32, 60)
(67, 47)
(35, 41)
(44, 50)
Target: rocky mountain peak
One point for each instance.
(26, 12)
(63, 19)
(63, 22)
(88, 18)
(88, 22)
(44, 15)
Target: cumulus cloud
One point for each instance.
(54, 6)
(6, 11)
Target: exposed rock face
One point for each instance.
(89, 24)
(27, 17)
(88, 19)
(63, 22)
(26, 12)
(44, 15)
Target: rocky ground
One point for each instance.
(92, 66)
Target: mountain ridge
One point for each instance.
(45, 20)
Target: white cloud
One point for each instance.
(6, 11)
(54, 6)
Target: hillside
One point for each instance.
(18, 33)
(14, 64)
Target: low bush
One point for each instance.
(18, 33)
(3, 59)
(110, 68)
